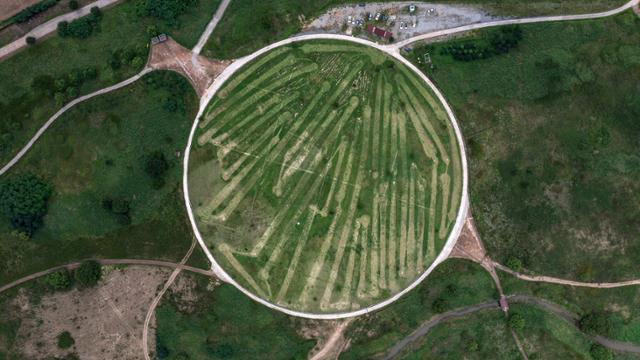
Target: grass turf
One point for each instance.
(552, 133)
(97, 151)
(25, 110)
(378, 195)
(249, 25)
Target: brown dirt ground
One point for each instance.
(199, 70)
(8, 8)
(105, 321)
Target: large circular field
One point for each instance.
(324, 177)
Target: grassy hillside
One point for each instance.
(552, 132)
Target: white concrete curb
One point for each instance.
(462, 210)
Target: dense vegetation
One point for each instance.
(495, 42)
(116, 52)
(88, 274)
(83, 27)
(226, 324)
(29, 12)
(23, 201)
(552, 134)
(105, 203)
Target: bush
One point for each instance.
(599, 352)
(440, 305)
(65, 340)
(74, 5)
(59, 280)
(63, 29)
(33, 10)
(514, 264)
(30, 40)
(23, 201)
(156, 166)
(81, 28)
(167, 10)
(516, 321)
(89, 273)
(596, 323)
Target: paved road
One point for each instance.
(493, 305)
(71, 104)
(212, 25)
(74, 265)
(50, 27)
(459, 29)
(553, 280)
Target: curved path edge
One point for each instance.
(68, 106)
(464, 201)
(74, 265)
(533, 20)
(542, 304)
(554, 280)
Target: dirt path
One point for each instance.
(211, 26)
(152, 308)
(553, 280)
(435, 34)
(545, 305)
(50, 27)
(334, 345)
(71, 104)
(74, 265)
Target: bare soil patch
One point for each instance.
(199, 70)
(105, 321)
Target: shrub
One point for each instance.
(596, 323)
(156, 166)
(599, 352)
(23, 200)
(63, 29)
(167, 10)
(59, 280)
(65, 340)
(439, 305)
(33, 10)
(514, 264)
(74, 5)
(81, 28)
(30, 40)
(516, 321)
(88, 273)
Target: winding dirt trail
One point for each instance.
(75, 265)
(553, 280)
(542, 304)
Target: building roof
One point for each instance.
(377, 31)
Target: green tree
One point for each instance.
(65, 340)
(23, 201)
(74, 4)
(88, 273)
(516, 321)
(30, 40)
(599, 352)
(514, 264)
(156, 166)
(59, 280)
(439, 305)
(596, 323)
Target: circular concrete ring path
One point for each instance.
(464, 201)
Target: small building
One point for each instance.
(379, 32)
(162, 37)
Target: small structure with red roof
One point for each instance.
(379, 32)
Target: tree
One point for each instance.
(23, 201)
(88, 273)
(30, 40)
(599, 352)
(156, 166)
(74, 5)
(516, 321)
(59, 280)
(439, 305)
(596, 323)
(514, 263)
(65, 340)
(63, 29)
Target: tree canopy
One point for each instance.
(88, 273)
(23, 201)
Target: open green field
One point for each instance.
(28, 79)
(552, 131)
(325, 176)
(94, 157)
(249, 25)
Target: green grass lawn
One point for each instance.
(552, 133)
(96, 154)
(621, 305)
(249, 25)
(325, 176)
(227, 324)
(453, 284)
(25, 109)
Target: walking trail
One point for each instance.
(51, 26)
(545, 305)
(75, 265)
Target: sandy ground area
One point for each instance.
(199, 70)
(105, 321)
(426, 18)
(8, 8)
